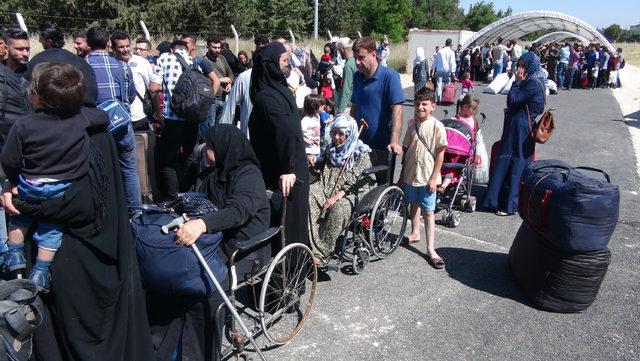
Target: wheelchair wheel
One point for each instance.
(360, 260)
(287, 294)
(388, 222)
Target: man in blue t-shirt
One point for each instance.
(377, 98)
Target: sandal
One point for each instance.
(437, 263)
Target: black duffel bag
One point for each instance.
(576, 212)
(554, 280)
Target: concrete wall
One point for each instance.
(429, 39)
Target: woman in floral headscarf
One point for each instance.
(525, 103)
(345, 147)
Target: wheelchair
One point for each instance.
(378, 221)
(287, 288)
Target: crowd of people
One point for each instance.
(279, 119)
(568, 65)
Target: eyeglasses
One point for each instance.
(141, 49)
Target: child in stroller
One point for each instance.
(460, 153)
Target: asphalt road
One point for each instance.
(402, 309)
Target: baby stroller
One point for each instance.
(459, 155)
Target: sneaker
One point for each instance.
(14, 260)
(41, 279)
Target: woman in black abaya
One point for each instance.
(276, 137)
(95, 310)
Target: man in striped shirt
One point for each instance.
(115, 81)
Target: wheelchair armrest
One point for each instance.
(256, 240)
(376, 169)
(453, 166)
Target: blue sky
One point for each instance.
(597, 13)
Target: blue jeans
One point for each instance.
(569, 75)
(442, 77)
(3, 227)
(497, 69)
(47, 236)
(560, 71)
(214, 115)
(126, 145)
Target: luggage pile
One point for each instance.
(560, 255)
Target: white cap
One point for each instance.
(344, 43)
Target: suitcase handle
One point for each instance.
(606, 176)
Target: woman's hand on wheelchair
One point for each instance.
(189, 233)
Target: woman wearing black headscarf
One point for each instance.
(276, 137)
(96, 309)
(235, 186)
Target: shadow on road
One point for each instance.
(483, 271)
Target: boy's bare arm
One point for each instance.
(436, 169)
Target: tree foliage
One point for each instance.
(170, 17)
(613, 32)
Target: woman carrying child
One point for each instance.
(44, 153)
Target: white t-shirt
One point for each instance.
(311, 130)
(142, 70)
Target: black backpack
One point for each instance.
(193, 94)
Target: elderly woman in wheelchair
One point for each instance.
(345, 176)
(283, 275)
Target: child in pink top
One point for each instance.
(467, 83)
(468, 109)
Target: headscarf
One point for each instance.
(532, 65)
(266, 73)
(419, 56)
(352, 149)
(232, 151)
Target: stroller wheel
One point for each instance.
(471, 205)
(464, 203)
(446, 217)
(456, 217)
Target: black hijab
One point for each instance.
(266, 73)
(232, 151)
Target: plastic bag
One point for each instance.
(480, 166)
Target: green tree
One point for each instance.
(341, 17)
(613, 32)
(480, 15)
(386, 17)
(442, 14)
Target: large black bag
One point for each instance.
(193, 94)
(554, 280)
(171, 269)
(576, 212)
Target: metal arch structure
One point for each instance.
(521, 24)
(558, 36)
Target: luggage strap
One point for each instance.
(545, 203)
(17, 298)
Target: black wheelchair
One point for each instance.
(377, 223)
(279, 294)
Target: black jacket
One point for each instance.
(62, 56)
(48, 146)
(13, 99)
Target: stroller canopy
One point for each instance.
(459, 137)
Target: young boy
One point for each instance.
(424, 145)
(43, 154)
